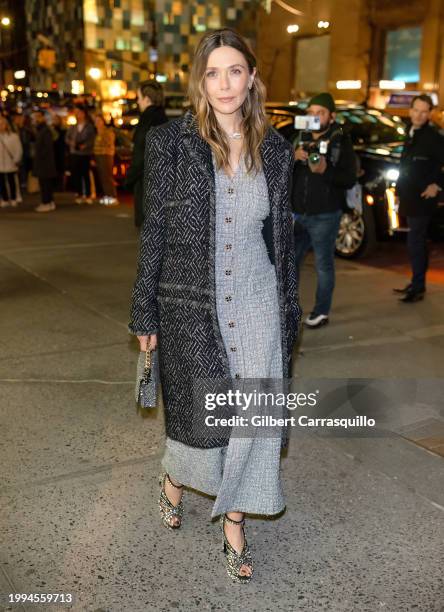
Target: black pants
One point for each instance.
(46, 190)
(418, 251)
(80, 172)
(9, 178)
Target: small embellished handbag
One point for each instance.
(147, 381)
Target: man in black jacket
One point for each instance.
(150, 99)
(420, 181)
(320, 182)
(44, 165)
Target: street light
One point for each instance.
(95, 73)
(5, 22)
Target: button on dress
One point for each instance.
(245, 475)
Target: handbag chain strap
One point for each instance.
(147, 360)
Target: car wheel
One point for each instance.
(356, 235)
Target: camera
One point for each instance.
(314, 148)
(308, 124)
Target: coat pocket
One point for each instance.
(177, 203)
(178, 221)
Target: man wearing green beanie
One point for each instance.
(325, 100)
(326, 166)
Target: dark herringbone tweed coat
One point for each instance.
(174, 293)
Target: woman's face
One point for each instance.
(227, 79)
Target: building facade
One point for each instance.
(366, 42)
(123, 40)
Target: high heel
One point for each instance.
(167, 510)
(234, 559)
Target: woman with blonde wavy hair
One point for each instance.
(216, 284)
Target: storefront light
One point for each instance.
(95, 73)
(77, 88)
(384, 84)
(348, 84)
(293, 28)
(19, 74)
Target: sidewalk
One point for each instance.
(363, 527)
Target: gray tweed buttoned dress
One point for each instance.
(245, 475)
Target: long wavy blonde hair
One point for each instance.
(254, 120)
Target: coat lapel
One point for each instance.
(198, 148)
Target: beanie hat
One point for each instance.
(324, 99)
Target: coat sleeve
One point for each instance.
(144, 312)
(294, 312)
(135, 171)
(18, 149)
(438, 158)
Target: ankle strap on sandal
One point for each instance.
(233, 522)
(172, 484)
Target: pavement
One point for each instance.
(363, 526)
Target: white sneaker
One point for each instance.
(89, 201)
(79, 200)
(112, 201)
(45, 207)
(14, 203)
(314, 320)
(4, 203)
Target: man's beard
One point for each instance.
(325, 126)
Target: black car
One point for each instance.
(378, 139)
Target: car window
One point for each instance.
(370, 127)
(365, 126)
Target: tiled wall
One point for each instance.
(61, 22)
(119, 36)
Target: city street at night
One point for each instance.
(80, 464)
(221, 305)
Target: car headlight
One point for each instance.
(392, 175)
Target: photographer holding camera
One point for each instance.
(326, 166)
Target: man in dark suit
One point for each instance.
(150, 99)
(420, 181)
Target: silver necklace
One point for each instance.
(234, 135)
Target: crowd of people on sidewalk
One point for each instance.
(38, 153)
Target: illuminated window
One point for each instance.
(403, 55)
(136, 45)
(122, 44)
(137, 18)
(90, 11)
